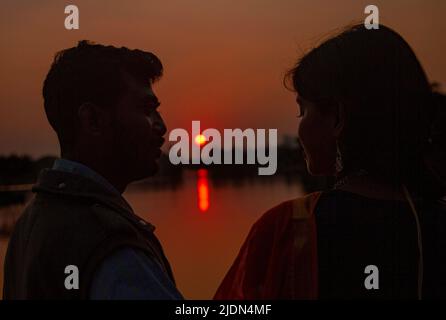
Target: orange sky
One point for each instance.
(224, 59)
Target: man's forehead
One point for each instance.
(142, 89)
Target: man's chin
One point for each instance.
(151, 169)
(154, 168)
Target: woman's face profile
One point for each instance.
(317, 135)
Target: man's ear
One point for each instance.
(339, 119)
(91, 118)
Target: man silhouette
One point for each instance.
(99, 101)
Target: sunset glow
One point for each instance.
(200, 139)
(236, 56)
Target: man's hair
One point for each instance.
(91, 73)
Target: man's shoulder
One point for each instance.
(56, 232)
(72, 219)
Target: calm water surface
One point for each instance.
(202, 224)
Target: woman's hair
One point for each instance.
(394, 121)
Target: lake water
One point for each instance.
(202, 223)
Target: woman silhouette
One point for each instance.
(369, 117)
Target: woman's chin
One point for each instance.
(316, 170)
(310, 168)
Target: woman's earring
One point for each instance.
(338, 165)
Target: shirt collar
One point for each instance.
(74, 167)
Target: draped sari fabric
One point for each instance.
(278, 260)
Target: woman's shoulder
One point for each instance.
(298, 208)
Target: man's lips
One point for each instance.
(156, 142)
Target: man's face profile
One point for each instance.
(138, 129)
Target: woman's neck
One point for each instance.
(370, 187)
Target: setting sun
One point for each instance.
(200, 139)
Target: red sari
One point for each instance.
(278, 260)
